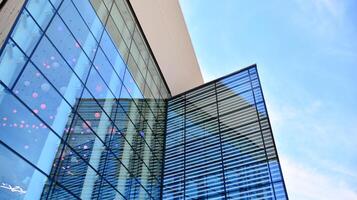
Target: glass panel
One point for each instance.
(52, 64)
(25, 133)
(26, 33)
(42, 98)
(78, 28)
(90, 17)
(113, 55)
(12, 61)
(68, 47)
(42, 11)
(108, 74)
(20, 182)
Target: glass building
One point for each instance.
(86, 113)
(219, 143)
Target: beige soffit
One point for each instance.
(168, 37)
(8, 13)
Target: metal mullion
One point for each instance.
(220, 142)
(91, 60)
(266, 155)
(271, 131)
(112, 65)
(184, 148)
(39, 39)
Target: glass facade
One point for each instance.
(82, 104)
(85, 113)
(219, 143)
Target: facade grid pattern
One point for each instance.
(219, 143)
(82, 104)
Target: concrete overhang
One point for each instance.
(165, 29)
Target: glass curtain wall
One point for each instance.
(219, 143)
(82, 107)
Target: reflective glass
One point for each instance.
(12, 60)
(107, 72)
(84, 37)
(25, 133)
(74, 109)
(42, 11)
(52, 64)
(20, 182)
(26, 33)
(38, 94)
(219, 143)
(68, 47)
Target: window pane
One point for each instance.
(42, 98)
(68, 47)
(52, 64)
(19, 179)
(12, 61)
(26, 33)
(41, 10)
(79, 29)
(25, 133)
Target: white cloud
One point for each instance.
(322, 18)
(309, 184)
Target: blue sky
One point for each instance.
(306, 52)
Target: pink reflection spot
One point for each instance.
(41, 124)
(97, 115)
(16, 91)
(26, 146)
(21, 125)
(85, 147)
(129, 90)
(15, 125)
(48, 66)
(43, 106)
(98, 88)
(34, 95)
(4, 124)
(76, 45)
(33, 126)
(14, 111)
(37, 74)
(51, 117)
(4, 118)
(36, 111)
(74, 60)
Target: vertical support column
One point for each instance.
(220, 142)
